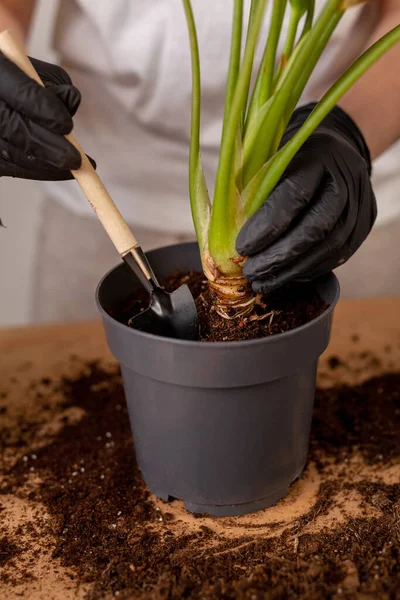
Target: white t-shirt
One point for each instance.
(130, 59)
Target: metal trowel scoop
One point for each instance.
(172, 315)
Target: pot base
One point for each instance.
(231, 510)
(236, 510)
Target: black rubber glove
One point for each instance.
(320, 212)
(33, 121)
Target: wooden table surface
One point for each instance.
(365, 339)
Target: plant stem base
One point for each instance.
(233, 297)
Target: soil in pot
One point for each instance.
(70, 476)
(278, 312)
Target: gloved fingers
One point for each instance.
(54, 149)
(15, 163)
(307, 271)
(309, 230)
(309, 266)
(289, 199)
(14, 170)
(27, 97)
(365, 220)
(367, 214)
(50, 74)
(37, 141)
(69, 95)
(324, 256)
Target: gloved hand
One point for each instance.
(33, 121)
(320, 212)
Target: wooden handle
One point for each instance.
(91, 184)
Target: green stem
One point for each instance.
(309, 19)
(253, 127)
(289, 55)
(302, 81)
(263, 87)
(298, 9)
(286, 68)
(268, 63)
(298, 88)
(295, 17)
(295, 79)
(253, 104)
(250, 25)
(281, 160)
(252, 13)
(221, 237)
(234, 60)
(199, 199)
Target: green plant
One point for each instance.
(250, 163)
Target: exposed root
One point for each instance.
(262, 317)
(234, 298)
(240, 311)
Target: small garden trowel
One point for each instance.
(171, 315)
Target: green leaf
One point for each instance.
(234, 60)
(199, 198)
(266, 179)
(253, 128)
(221, 240)
(290, 90)
(265, 77)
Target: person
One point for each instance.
(131, 63)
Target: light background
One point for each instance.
(20, 203)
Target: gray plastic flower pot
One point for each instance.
(223, 426)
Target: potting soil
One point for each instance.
(78, 522)
(281, 311)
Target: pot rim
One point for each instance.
(228, 344)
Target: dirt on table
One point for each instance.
(281, 311)
(73, 505)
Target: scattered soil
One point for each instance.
(367, 419)
(287, 309)
(337, 534)
(8, 550)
